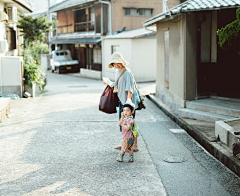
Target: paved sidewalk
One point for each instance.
(204, 133)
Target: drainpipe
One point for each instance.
(147, 28)
(110, 15)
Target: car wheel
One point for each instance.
(59, 70)
(52, 71)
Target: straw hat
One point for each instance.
(117, 57)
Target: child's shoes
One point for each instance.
(120, 158)
(131, 158)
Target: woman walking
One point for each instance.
(123, 86)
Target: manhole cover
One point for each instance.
(174, 159)
(76, 86)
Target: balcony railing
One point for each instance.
(64, 29)
(84, 26)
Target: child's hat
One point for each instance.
(129, 104)
(117, 57)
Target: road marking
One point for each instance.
(177, 130)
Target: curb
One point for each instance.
(214, 148)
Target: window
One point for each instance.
(11, 36)
(97, 55)
(138, 11)
(115, 48)
(145, 12)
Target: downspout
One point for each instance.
(109, 29)
(110, 15)
(148, 29)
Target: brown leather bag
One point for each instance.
(109, 100)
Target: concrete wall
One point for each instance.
(182, 59)
(12, 74)
(144, 58)
(135, 22)
(177, 63)
(125, 47)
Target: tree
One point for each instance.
(34, 29)
(229, 36)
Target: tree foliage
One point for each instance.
(34, 29)
(229, 36)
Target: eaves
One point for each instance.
(73, 5)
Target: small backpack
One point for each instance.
(135, 129)
(236, 148)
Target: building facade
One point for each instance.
(83, 24)
(11, 62)
(190, 64)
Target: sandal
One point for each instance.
(120, 158)
(131, 158)
(118, 147)
(135, 149)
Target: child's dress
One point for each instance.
(127, 135)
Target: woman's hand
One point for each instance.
(129, 100)
(129, 97)
(104, 82)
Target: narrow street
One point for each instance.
(61, 144)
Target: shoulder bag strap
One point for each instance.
(121, 75)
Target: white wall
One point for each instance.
(144, 58)
(140, 53)
(125, 47)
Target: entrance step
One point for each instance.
(203, 116)
(216, 106)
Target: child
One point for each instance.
(126, 122)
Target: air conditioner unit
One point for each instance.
(4, 16)
(12, 14)
(3, 45)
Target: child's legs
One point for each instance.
(127, 145)
(124, 145)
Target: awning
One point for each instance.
(76, 41)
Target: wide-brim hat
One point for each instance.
(117, 57)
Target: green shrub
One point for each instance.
(33, 70)
(229, 36)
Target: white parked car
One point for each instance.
(62, 62)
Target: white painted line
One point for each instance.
(177, 130)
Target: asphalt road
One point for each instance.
(61, 144)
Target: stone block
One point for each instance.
(225, 133)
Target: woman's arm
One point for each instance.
(129, 97)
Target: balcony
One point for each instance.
(84, 26)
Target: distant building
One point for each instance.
(138, 48)
(83, 23)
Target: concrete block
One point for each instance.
(91, 74)
(225, 133)
(34, 90)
